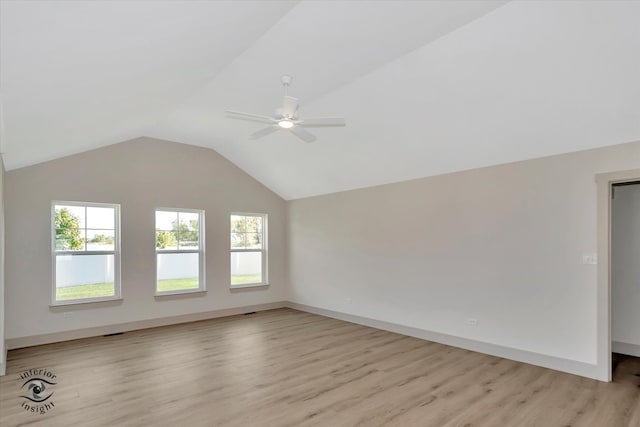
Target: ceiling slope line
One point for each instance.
(320, 96)
(222, 69)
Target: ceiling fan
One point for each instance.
(286, 118)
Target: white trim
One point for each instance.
(83, 301)
(117, 283)
(604, 183)
(14, 343)
(250, 285)
(551, 362)
(625, 348)
(179, 292)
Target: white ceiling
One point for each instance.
(426, 87)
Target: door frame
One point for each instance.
(605, 182)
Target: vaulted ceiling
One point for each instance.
(426, 87)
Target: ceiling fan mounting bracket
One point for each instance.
(286, 79)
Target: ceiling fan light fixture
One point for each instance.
(285, 124)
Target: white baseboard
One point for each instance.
(625, 348)
(29, 341)
(551, 362)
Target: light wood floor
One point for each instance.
(288, 368)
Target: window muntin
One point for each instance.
(85, 252)
(248, 249)
(179, 251)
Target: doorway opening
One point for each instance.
(614, 217)
(625, 280)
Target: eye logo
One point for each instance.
(36, 389)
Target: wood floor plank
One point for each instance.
(285, 368)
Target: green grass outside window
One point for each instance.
(101, 290)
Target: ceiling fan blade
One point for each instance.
(290, 106)
(263, 132)
(322, 122)
(248, 116)
(302, 134)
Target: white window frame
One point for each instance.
(264, 250)
(200, 251)
(115, 252)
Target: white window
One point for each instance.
(179, 251)
(85, 240)
(248, 250)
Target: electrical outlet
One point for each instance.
(67, 314)
(472, 321)
(590, 259)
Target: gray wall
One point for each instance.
(140, 175)
(503, 246)
(625, 269)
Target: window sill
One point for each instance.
(186, 292)
(249, 286)
(83, 301)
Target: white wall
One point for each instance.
(503, 245)
(625, 269)
(140, 175)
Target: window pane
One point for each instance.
(70, 216)
(100, 240)
(177, 272)
(246, 268)
(237, 240)
(188, 240)
(188, 230)
(84, 276)
(70, 239)
(254, 224)
(253, 241)
(166, 220)
(237, 224)
(166, 240)
(101, 218)
(189, 220)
